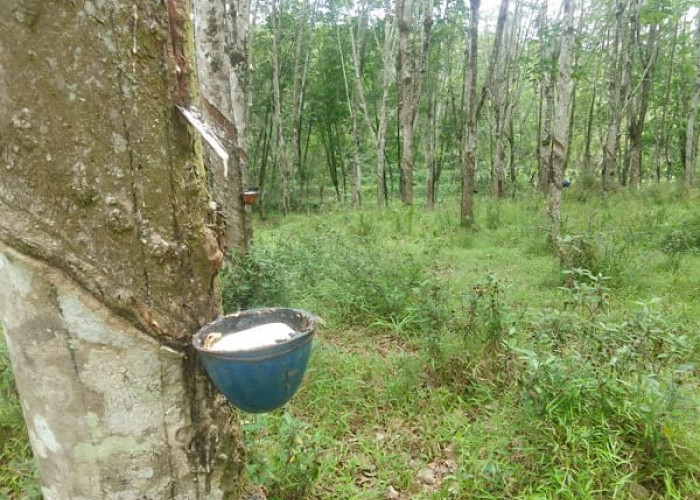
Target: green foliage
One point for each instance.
(473, 361)
(358, 276)
(683, 237)
(541, 390)
(252, 280)
(467, 356)
(486, 305)
(493, 215)
(612, 396)
(595, 253)
(586, 291)
(17, 471)
(291, 467)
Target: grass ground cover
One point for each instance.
(460, 364)
(476, 364)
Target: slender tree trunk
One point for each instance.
(499, 96)
(409, 85)
(691, 135)
(435, 119)
(249, 59)
(109, 253)
(298, 82)
(469, 142)
(540, 136)
(404, 70)
(353, 103)
(662, 134)
(356, 44)
(430, 141)
(280, 147)
(638, 115)
(498, 177)
(619, 78)
(512, 161)
(561, 121)
(387, 75)
(262, 173)
(587, 163)
(327, 140)
(570, 127)
(221, 54)
(339, 159)
(546, 104)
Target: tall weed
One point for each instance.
(467, 355)
(252, 280)
(17, 470)
(683, 236)
(612, 395)
(372, 283)
(595, 252)
(291, 464)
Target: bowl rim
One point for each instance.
(311, 321)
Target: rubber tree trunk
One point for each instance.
(498, 95)
(469, 139)
(387, 76)
(405, 81)
(221, 49)
(546, 104)
(280, 146)
(618, 85)
(561, 121)
(109, 252)
(353, 103)
(691, 146)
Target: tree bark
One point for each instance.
(299, 73)
(280, 147)
(561, 121)
(546, 107)
(619, 81)
(109, 253)
(437, 103)
(469, 142)
(404, 70)
(409, 85)
(499, 97)
(353, 102)
(587, 163)
(662, 134)
(638, 114)
(691, 135)
(387, 76)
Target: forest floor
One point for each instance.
(477, 363)
(470, 364)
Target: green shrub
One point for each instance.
(290, 465)
(597, 253)
(17, 470)
(370, 283)
(252, 280)
(683, 237)
(614, 395)
(467, 355)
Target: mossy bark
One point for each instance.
(221, 35)
(109, 251)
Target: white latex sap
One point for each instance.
(254, 338)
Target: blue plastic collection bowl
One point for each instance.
(262, 379)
